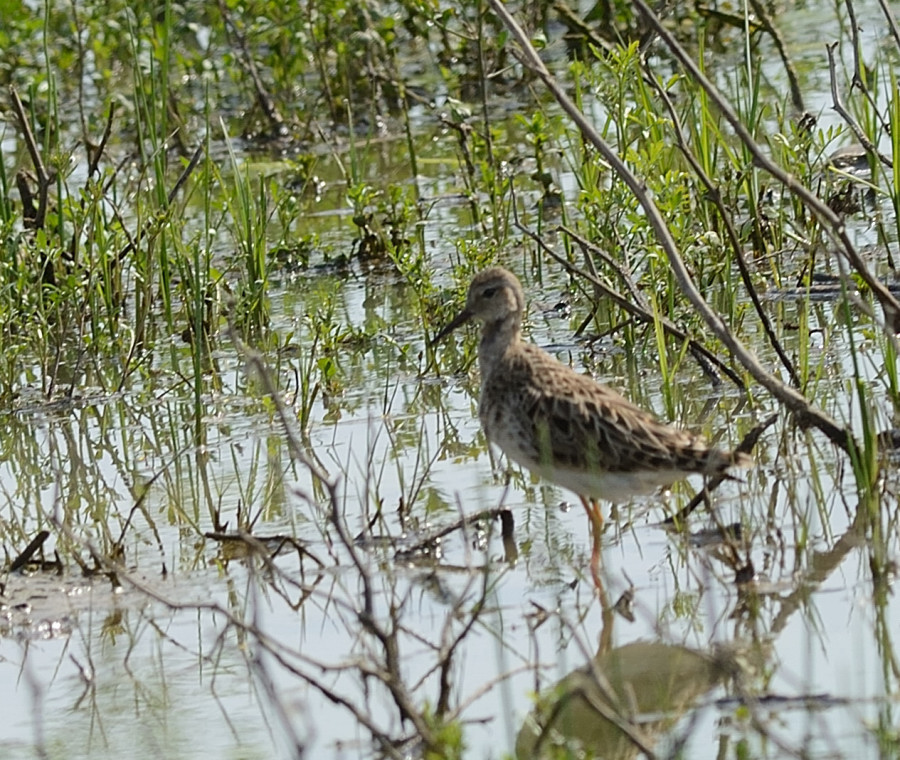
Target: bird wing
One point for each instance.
(587, 425)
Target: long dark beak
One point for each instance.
(460, 319)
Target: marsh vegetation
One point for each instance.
(245, 505)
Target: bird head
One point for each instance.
(495, 297)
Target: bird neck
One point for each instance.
(496, 339)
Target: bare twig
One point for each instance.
(765, 19)
(838, 105)
(834, 223)
(640, 312)
(577, 26)
(156, 224)
(733, 239)
(805, 413)
(270, 545)
(892, 22)
(36, 543)
(746, 446)
(44, 178)
(859, 78)
(263, 98)
(391, 673)
(119, 545)
(487, 514)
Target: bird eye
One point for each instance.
(489, 292)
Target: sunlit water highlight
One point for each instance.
(89, 670)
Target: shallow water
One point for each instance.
(167, 658)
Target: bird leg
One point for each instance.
(595, 517)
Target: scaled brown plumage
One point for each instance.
(562, 425)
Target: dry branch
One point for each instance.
(834, 223)
(804, 412)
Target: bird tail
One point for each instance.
(718, 461)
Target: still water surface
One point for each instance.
(91, 669)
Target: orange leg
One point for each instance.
(595, 517)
